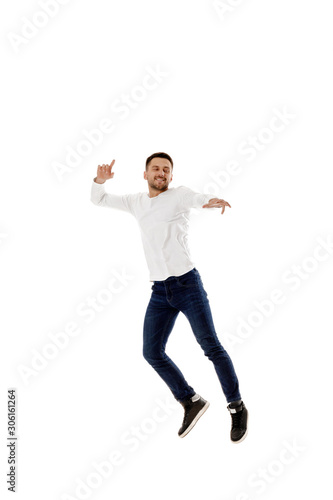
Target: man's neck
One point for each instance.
(155, 192)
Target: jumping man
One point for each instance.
(163, 217)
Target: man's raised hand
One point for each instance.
(104, 172)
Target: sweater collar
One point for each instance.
(163, 192)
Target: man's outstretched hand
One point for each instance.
(104, 172)
(216, 203)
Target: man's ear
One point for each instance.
(145, 175)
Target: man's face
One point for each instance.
(159, 174)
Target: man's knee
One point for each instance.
(151, 355)
(213, 351)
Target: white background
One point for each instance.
(224, 74)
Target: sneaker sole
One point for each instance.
(242, 438)
(194, 421)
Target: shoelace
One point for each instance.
(237, 418)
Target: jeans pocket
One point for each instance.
(187, 280)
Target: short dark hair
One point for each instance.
(159, 155)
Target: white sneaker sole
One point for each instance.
(194, 421)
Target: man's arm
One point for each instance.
(101, 198)
(191, 199)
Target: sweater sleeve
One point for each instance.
(192, 199)
(103, 199)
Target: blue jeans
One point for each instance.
(184, 293)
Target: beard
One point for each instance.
(159, 185)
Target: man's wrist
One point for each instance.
(97, 182)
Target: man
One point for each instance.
(163, 216)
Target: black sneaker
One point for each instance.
(239, 417)
(193, 409)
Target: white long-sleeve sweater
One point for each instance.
(163, 222)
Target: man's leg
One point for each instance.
(193, 302)
(159, 320)
(195, 306)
